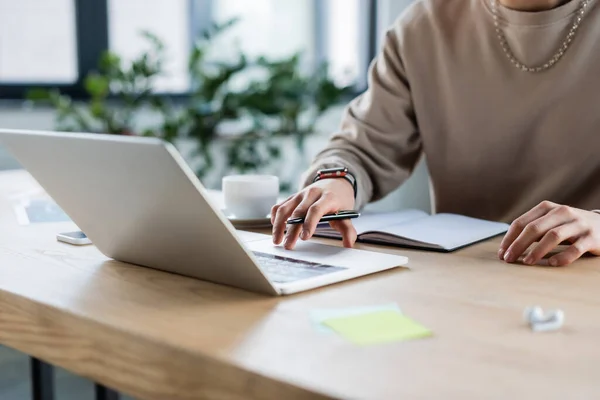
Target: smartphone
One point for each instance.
(346, 214)
(77, 238)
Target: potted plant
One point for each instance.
(286, 102)
(117, 93)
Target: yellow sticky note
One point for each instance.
(377, 327)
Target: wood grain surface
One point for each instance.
(155, 335)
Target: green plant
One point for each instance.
(285, 103)
(211, 102)
(129, 83)
(293, 100)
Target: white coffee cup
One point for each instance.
(250, 196)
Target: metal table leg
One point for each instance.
(104, 393)
(42, 380)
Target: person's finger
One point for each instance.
(314, 215)
(293, 231)
(347, 230)
(277, 206)
(535, 230)
(311, 196)
(274, 210)
(520, 223)
(552, 239)
(573, 252)
(282, 215)
(291, 236)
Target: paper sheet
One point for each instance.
(377, 327)
(379, 221)
(31, 211)
(317, 317)
(376, 221)
(448, 230)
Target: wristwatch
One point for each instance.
(339, 172)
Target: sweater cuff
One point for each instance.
(364, 187)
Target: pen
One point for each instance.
(340, 215)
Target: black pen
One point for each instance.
(340, 215)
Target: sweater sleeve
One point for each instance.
(378, 141)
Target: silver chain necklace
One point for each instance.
(556, 57)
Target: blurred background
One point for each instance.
(239, 86)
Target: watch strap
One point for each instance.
(335, 173)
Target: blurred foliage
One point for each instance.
(285, 101)
(131, 83)
(293, 99)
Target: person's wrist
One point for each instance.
(338, 173)
(345, 184)
(341, 189)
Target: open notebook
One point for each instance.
(414, 228)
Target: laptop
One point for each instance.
(140, 203)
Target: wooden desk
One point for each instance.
(160, 336)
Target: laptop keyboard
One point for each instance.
(284, 270)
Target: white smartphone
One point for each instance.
(77, 238)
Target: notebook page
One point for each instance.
(379, 221)
(448, 230)
(392, 240)
(375, 221)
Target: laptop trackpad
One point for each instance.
(281, 269)
(247, 237)
(331, 258)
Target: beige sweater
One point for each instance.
(497, 140)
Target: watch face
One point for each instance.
(332, 170)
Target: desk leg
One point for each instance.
(42, 380)
(104, 393)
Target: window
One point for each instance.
(37, 41)
(345, 48)
(323, 30)
(56, 43)
(168, 20)
(273, 28)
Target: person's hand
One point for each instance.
(322, 197)
(552, 224)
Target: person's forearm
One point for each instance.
(379, 141)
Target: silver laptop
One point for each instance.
(139, 202)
